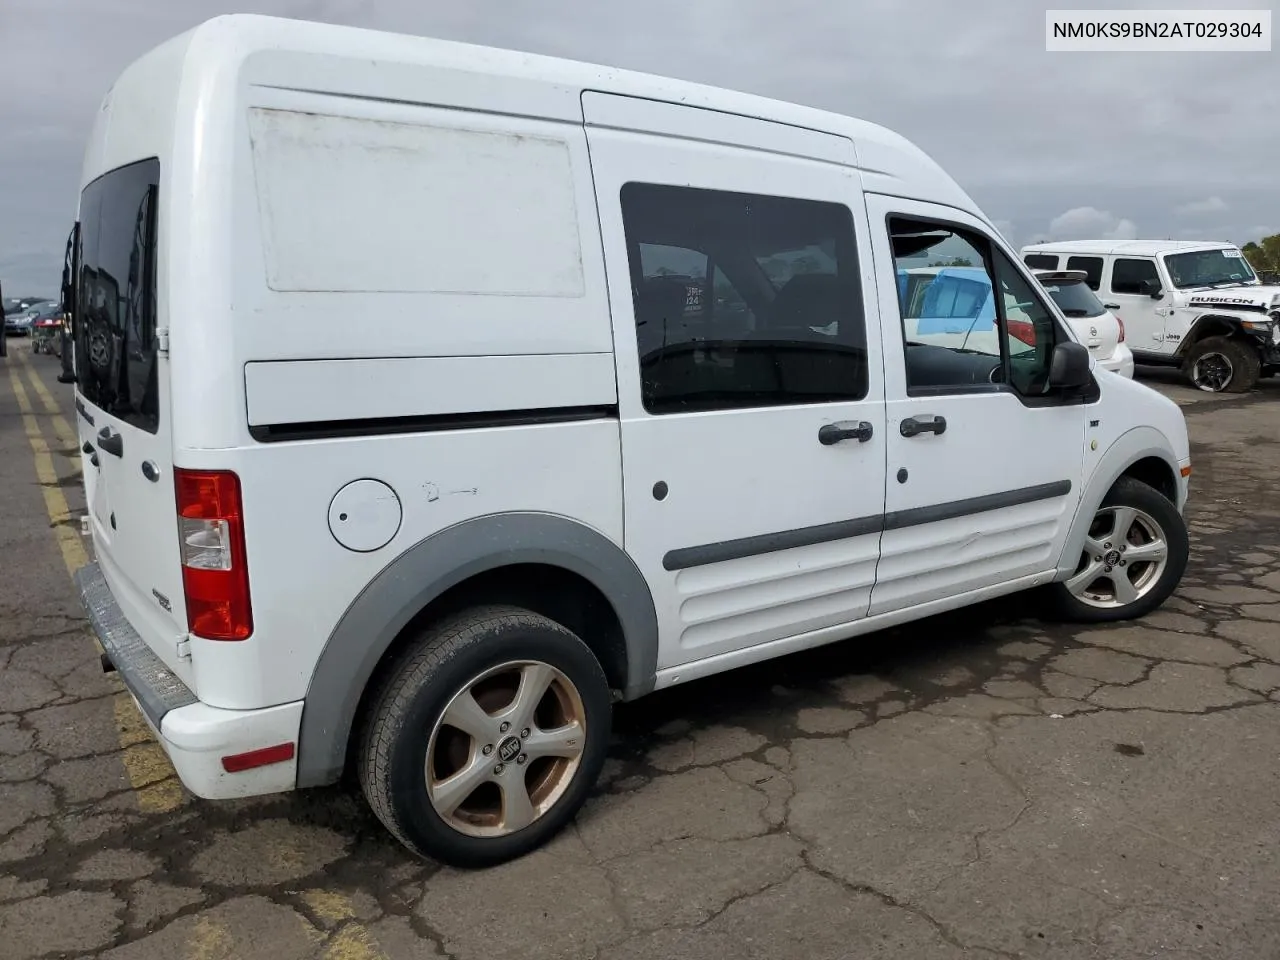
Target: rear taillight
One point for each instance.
(1023, 330)
(215, 576)
(1121, 322)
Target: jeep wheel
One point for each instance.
(1223, 365)
(1133, 557)
(485, 739)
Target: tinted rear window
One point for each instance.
(1041, 261)
(1092, 267)
(1075, 299)
(115, 320)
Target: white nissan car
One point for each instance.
(1098, 328)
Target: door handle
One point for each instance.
(830, 433)
(109, 441)
(1112, 306)
(914, 426)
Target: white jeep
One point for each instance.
(1195, 305)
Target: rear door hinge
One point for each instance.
(184, 648)
(162, 340)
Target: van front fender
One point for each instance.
(1137, 444)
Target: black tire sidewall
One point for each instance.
(413, 812)
(1246, 366)
(1133, 493)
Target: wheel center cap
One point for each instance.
(509, 749)
(1112, 558)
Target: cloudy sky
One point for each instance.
(1051, 145)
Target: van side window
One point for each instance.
(959, 335)
(1041, 261)
(743, 300)
(1128, 275)
(1092, 267)
(115, 320)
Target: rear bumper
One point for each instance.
(1120, 361)
(194, 735)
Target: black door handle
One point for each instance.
(110, 442)
(914, 426)
(1112, 306)
(830, 433)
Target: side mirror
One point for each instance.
(1152, 289)
(1069, 366)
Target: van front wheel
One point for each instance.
(1132, 559)
(486, 738)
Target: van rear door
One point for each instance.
(122, 405)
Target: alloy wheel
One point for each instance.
(1124, 556)
(1212, 372)
(505, 748)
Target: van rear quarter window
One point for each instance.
(115, 318)
(743, 300)
(355, 205)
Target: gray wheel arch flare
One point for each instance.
(424, 572)
(1139, 443)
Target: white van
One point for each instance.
(1189, 304)
(432, 397)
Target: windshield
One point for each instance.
(1208, 268)
(1074, 298)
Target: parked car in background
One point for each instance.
(953, 307)
(1099, 329)
(20, 315)
(46, 328)
(1194, 305)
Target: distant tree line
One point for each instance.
(1264, 256)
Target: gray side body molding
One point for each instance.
(1137, 444)
(424, 572)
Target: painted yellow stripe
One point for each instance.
(66, 434)
(148, 769)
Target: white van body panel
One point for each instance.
(395, 259)
(764, 467)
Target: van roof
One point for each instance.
(281, 52)
(1132, 248)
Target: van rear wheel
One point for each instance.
(486, 738)
(1223, 365)
(1132, 559)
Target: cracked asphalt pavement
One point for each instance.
(977, 785)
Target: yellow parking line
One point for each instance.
(73, 552)
(148, 769)
(66, 434)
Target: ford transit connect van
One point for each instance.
(639, 409)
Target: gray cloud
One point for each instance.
(1161, 144)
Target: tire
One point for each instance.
(1207, 358)
(406, 729)
(1079, 598)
